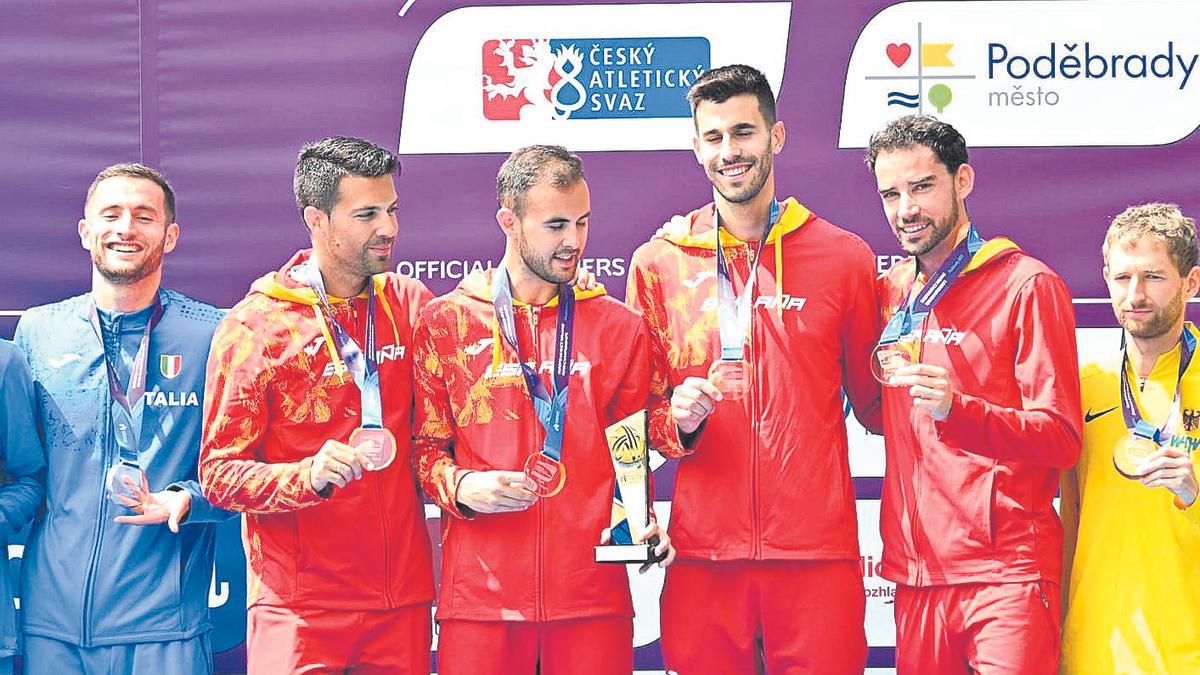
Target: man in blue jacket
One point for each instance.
(21, 490)
(115, 576)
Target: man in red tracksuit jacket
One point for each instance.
(763, 513)
(340, 567)
(977, 428)
(520, 592)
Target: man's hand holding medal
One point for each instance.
(929, 386)
(152, 508)
(496, 491)
(1172, 469)
(339, 464)
(692, 401)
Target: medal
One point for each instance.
(729, 373)
(383, 446)
(731, 377)
(900, 343)
(887, 359)
(545, 468)
(1144, 438)
(548, 475)
(364, 368)
(117, 482)
(126, 410)
(1130, 452)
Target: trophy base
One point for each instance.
(626, 554)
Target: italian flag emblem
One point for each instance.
(170, 365)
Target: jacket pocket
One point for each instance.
(136, 583)
(959, 506)
(989, 525)
(981, 499)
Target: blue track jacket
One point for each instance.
(21, 465)
(87, 580)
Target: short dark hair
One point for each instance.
(721, 84)
(910, 131)
(525, 167)
(135, 170)
(322, 164)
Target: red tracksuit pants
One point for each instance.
(590, 646)
(986, 629)
(318, 641)
(739, 616)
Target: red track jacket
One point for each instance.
(474, 413)
(276, 392)
(969, 500)
(768, 476)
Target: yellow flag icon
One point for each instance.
(936, 54)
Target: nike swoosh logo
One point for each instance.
(64, 360)
(1088, 416)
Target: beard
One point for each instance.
(363, 263)
(542, 266)
(1159, 323)
(760, 169)
(938, 231)
(130, 273)
(371, 264)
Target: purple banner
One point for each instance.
(220, 96)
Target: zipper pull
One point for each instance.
(534, 312)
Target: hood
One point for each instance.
(478, 285)
(701, 231)
(992, 251)
(281, 285)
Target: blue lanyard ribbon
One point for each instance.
(915, 310)
(363, 367)
(551, 407)
(733, 310)
(128, 404)
(1129, 407)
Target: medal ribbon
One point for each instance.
(1134, 421)
(551, 407)
(733, 310)
(363, 367)
(914, 310)
(129, 404)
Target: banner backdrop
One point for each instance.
(1074, 109)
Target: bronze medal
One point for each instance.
(887, 359)
(548, 475)
(383, 452)
(732, 377)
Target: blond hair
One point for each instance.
(1164, 223)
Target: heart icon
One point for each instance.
(899, 53)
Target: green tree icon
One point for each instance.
(940, 96)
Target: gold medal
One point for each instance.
(1130, 452)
